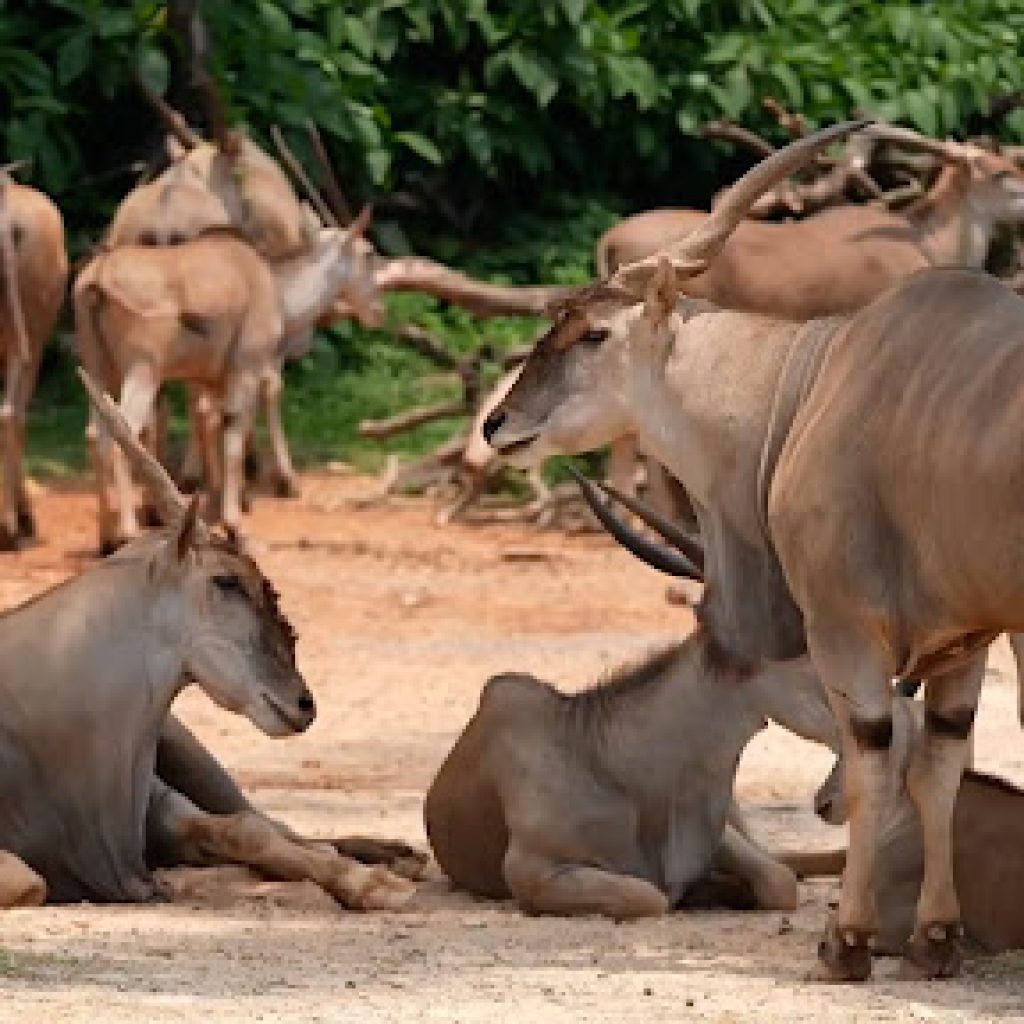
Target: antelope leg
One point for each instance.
(195, 837)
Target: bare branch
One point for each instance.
(793, 124)
(728, 131)
(411, 419)
(415, 274)
(429, 347)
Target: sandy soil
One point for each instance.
(400, 624)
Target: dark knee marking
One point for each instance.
(228, 419)
(872, 733)
(956, 724)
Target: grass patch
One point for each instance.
(352, 374)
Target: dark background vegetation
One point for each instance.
(499, 135)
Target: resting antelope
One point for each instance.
(88, 674)
(210, 311)
(34, 276)
(856, 481)
(615, 800)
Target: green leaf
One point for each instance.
(154, 69)
(421, 145)
(73, 57)
(357, 35)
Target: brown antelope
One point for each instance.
(89, 672)
(988, 819)
(988, 847)
(211, 311)
(856, 481)
(616, 800)
(35, 273)
(229, 182)
(840, 259)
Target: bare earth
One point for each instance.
(400, 623)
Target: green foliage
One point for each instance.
(473, 107)
(483, 128)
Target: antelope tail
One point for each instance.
(9, 267)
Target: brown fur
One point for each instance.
(41, 274)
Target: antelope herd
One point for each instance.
(835, 401)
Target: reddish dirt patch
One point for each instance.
(400, 623)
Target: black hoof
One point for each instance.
(845, 955)
(26, 523)
(108, 547)
(9, 541)
(934, 951)
(286, 487)
(150, 517)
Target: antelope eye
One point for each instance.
(229, 584)
(595, 336)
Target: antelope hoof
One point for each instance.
(9, 541)
(384, 890)
(286, 487)
(26, 524)
(845, 954)
(934, 951)
(149, 516)
(189, 483)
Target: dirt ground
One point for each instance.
(400, 623)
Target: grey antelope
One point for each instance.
(88, 674)
(618, 800)
(856, 482)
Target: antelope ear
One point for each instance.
(184, 538)
(661, 293)
(175, 150)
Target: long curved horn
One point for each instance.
(339, 204)
(10, 268)
(681, 539)
(657, 557)
(692, 255)
(170, 502)
(323, 211)
(172, 119)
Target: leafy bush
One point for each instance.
(467, 110)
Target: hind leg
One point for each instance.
(138, 392)
(286, 482)
(933, 781)
(10, 531)
(543, 886)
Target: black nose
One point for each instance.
(306, 703)
(493, 424)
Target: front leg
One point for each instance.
(933, 782)
(773, 884)
(542, 886)
(250, 839)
